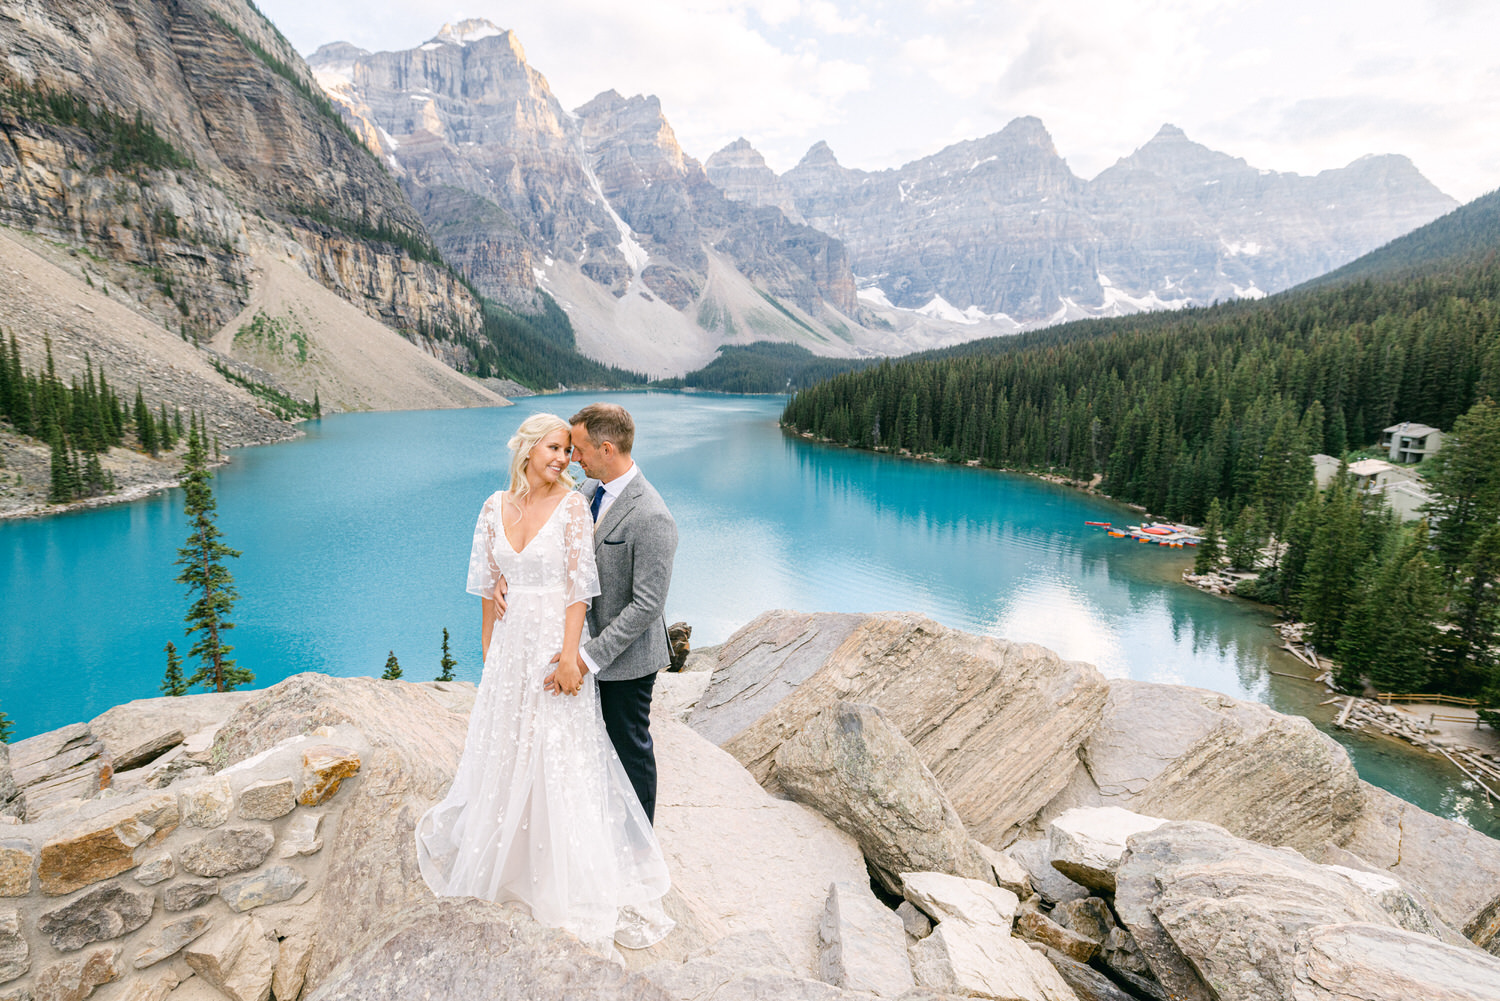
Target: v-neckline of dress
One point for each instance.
(550, 515)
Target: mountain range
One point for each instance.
(182, 154)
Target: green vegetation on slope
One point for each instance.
(763, 367)
(125, 145)
(538, 351)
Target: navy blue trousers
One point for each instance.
(627, 716)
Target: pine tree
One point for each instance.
(317, 404)
(173, 683)
(1468, 661)
(1465, 479)
(1242, 548)
(1211, 548)
(164, 429)
(447, 663)
(145, 427)
(63, 486)
(6, 728)
(392, 669)
(210, 585)
(1391, 630)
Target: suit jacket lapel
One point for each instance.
(622, 505)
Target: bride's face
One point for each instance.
(550, 456)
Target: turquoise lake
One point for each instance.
(356, 541)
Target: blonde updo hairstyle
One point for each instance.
(532, 430)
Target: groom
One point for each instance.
(635, 539)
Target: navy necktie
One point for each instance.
(598, 500)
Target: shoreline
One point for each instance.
(1366, 716)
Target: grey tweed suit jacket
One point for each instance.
(634, 543)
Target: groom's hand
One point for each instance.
(500, 588)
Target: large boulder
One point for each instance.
(971, 952)
(1086, 844)
(1456, 868)
(742, 861)
(1218, 916)
(461, 949)
(414, 740)
(997, 723)
(1191, 754)
(1359, 962)
(862, 944)
(851, 765)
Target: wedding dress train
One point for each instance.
(541, 810)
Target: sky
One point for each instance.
(1291, 85)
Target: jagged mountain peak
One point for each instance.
(473, 29)
(336, 52)
(1026, 129)
(738, 154)
(820, 155)
(1170, 153)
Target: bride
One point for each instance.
(540, 810)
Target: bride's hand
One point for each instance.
(566, 678)
(501, 586)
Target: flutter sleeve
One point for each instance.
(483, 571)
(578, 551)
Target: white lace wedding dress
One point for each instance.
(541, 810)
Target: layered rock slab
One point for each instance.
(853, 766)
(1359, 962)
(461, 949)
(1454, 866)
(1218, 916)
(1190, 754)
(997, 723)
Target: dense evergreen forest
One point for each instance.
(763, 367)
(79, 422)
(1210, 416)
(539, 351)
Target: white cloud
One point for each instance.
(1285, 84)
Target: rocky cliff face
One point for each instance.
(1000, 225)
(525, 197)
(173, 138)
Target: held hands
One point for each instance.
(567, 678)
(500, 588)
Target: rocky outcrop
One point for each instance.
(268, 852)
(194, 140)
(1356, 962)
(1219, 918)
(1000, 226)
(1190, 754)
(449, 950)
(850, 764)
(1456, 868)
(1001, 749)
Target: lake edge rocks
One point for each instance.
(772, 896)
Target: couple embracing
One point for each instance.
(554, 796)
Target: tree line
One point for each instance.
(1404, 608)
(1212, 417)
(79, 421)
(1225, 402)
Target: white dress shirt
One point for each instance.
(612, 490)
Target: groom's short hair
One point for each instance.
(607, 422)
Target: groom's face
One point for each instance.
(586, 452)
